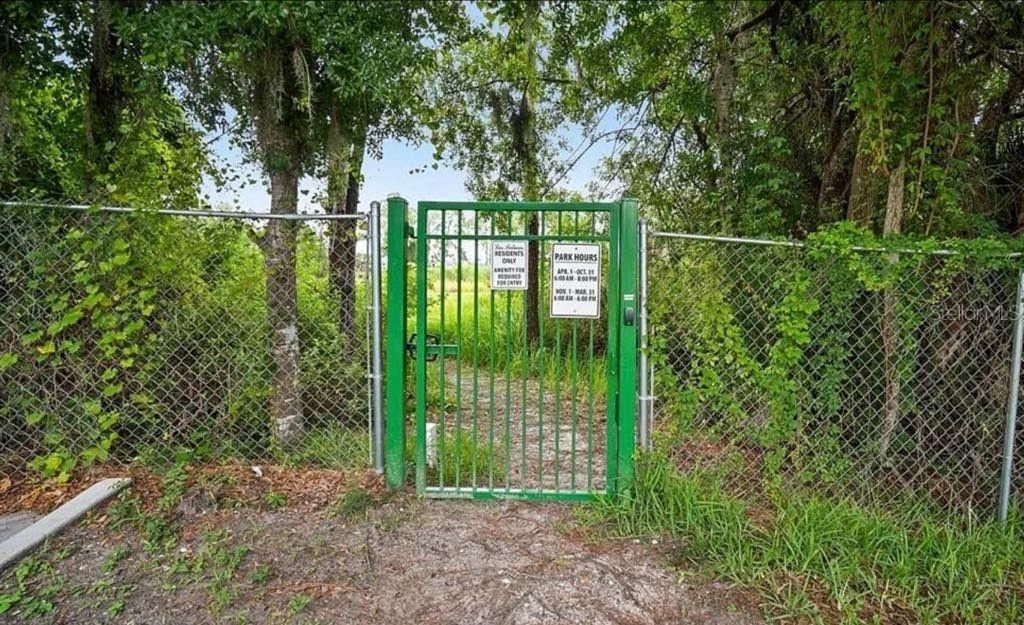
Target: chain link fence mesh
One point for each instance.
(142, 335)
(878, 376)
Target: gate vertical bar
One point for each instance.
(612, 350)
(396, 328)
(422, 243)
(1010, 432)
(626, 322)
(645, 392)
(376, 372)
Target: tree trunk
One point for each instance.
(835, 169)
(281, 124)
(890, 317)
(860, 207)
(723, 90)
(4, 105)
(531, 171)
(106, 94)
(344, 157)
(282, 307)
(531, 192)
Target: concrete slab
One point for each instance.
(11, 524)
(13, 548)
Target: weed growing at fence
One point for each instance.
(828, 560)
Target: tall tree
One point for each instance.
(779, 117)
(255, 60)
(311, 85)
(498, 110)
(376, 57)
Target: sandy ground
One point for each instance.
(538, 445)
(406, 560)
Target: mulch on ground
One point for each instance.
(304, 488)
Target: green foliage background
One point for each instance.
(140, 335)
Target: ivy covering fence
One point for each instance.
(141, 336)
(836, 367)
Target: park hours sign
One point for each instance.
(576, 280)
(509, 262)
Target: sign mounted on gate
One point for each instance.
(576, 280)
(509, 263)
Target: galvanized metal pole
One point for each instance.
(377, 368)
(1010, 431)
(645, 396)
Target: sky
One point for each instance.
(392, 174)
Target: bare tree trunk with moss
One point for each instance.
(890, 317)
(345, 155)
(282, 308)
(5, 89)
(105, 96)
(281, 120)
(526, 145)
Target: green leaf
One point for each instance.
(34, 417)
(53, 462)
(9, 601)
(108, 420)
(7, 360)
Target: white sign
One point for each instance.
(576, 280)
(509, 262)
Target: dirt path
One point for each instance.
(409, 561)
(557, 443)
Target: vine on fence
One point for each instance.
(839, 360)
(139, 336)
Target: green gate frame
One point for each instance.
(621, 355)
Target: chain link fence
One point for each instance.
(880, 376)
(152, 335)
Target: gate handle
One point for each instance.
(432, 339)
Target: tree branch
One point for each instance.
(771, 12)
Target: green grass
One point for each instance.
(460, 456)
(354, 503)
(826, 560)
(333, 447)
(493, 338)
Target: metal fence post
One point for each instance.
(1010, 432)
(628, 236)
(645, 393)
(396, 328)
(376, 368)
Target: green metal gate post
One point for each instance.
(396, 332)
(628, 316)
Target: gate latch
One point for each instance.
(434, 348)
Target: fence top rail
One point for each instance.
(800, 244)
(519, 206)
(189, 213)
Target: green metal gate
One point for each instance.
(502, 411)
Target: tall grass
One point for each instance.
(490, 332)
(830, 561)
